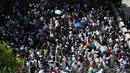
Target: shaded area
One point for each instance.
(5, 1)
(5, 9)
(126, 9)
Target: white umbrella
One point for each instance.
(58, 12)
(41, 71)
(103, 49)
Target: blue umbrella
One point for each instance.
(76, 25)
(58, 12)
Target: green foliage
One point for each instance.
(8, 61)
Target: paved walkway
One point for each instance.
(126, 6)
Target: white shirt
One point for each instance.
(97, 32)
(72, 49)
(51, 35)
(62, 71)
(110, 22)
(110, 40)
(28, 63)
(39, 64)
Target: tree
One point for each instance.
(8, 62)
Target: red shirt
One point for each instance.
(110, 51)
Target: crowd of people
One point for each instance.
(50, 43)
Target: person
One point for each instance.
(120, 2)
(47, 38)
(128, 22)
